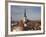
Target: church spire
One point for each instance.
(25, 13)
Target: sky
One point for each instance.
(32, 12)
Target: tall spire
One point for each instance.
(25, 13)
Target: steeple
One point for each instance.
(25, 13)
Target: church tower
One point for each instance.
(25, 18)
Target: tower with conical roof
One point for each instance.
(25, 25)
(25, 14)
(25, 18)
